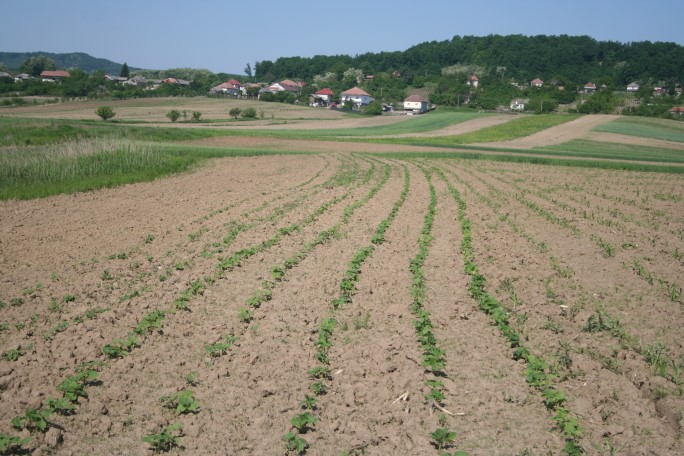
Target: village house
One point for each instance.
(322, 98)
(537, 83)
(52, 76)
(358, 96)
(232, 87)
(473, 81)
(518, 105)
(416, 104)
(589, 87)
(633, 87)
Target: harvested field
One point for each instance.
(254, 279)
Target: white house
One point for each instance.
(517, 105)
(358, 96)
(473, 81)
(322, 98)
(416, 103)
(537, 83)
(633, 87)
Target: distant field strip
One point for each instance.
(645, 128)
(596, 149)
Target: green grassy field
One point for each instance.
(667, 130)
(595, 149)
(517, 128)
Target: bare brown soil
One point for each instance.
(558, 247)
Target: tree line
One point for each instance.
(568, 59)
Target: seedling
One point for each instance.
(69, 298)
(303, 421)
(183, 401)
(191, 378)
(277, 273)
(295, 444)
(34, 419)
(309, 403)
(151, 322)
(245, 315)
(220, 348)
(320, 372)
(9, 444)
(121, 347)
(319, 388)
(106, 275)
(443, 437)
(167, 439)
(62, 405)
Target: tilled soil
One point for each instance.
(560, 248)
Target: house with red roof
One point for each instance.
(677, 110)
(54, 75)
(589, 87)
(358, 96)
(473, 81)
(537, 83)
(322, 98)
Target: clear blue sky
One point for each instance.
(223, 36)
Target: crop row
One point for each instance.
(86, 373)
(320, 374)
(537, 374)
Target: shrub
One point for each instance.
(249, 113)
(235, 113)
(173, 115)
(105, 112)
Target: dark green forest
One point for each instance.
(567, 59)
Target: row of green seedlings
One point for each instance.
(434, 358)
(543, 193)
(537, 373)
(541, 246)
(656, 355)
(181, 403)
(607, 249)
(674, 291)
(39, 419)
(236, 259)
(170, 435)
(320, 374)
(265, 293)
(36, 418)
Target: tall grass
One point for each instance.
(87, 164)
(81, 164)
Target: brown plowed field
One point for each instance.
(586, 263)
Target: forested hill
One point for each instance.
(85, 62)
(569, 59)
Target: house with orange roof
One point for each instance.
(358, 96)
(537, 83)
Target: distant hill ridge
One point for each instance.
(81, 60)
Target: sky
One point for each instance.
(223, 36)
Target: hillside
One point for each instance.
(569, 59)
(85, 62)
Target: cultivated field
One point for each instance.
(365, 298)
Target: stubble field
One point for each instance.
(348, 302)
